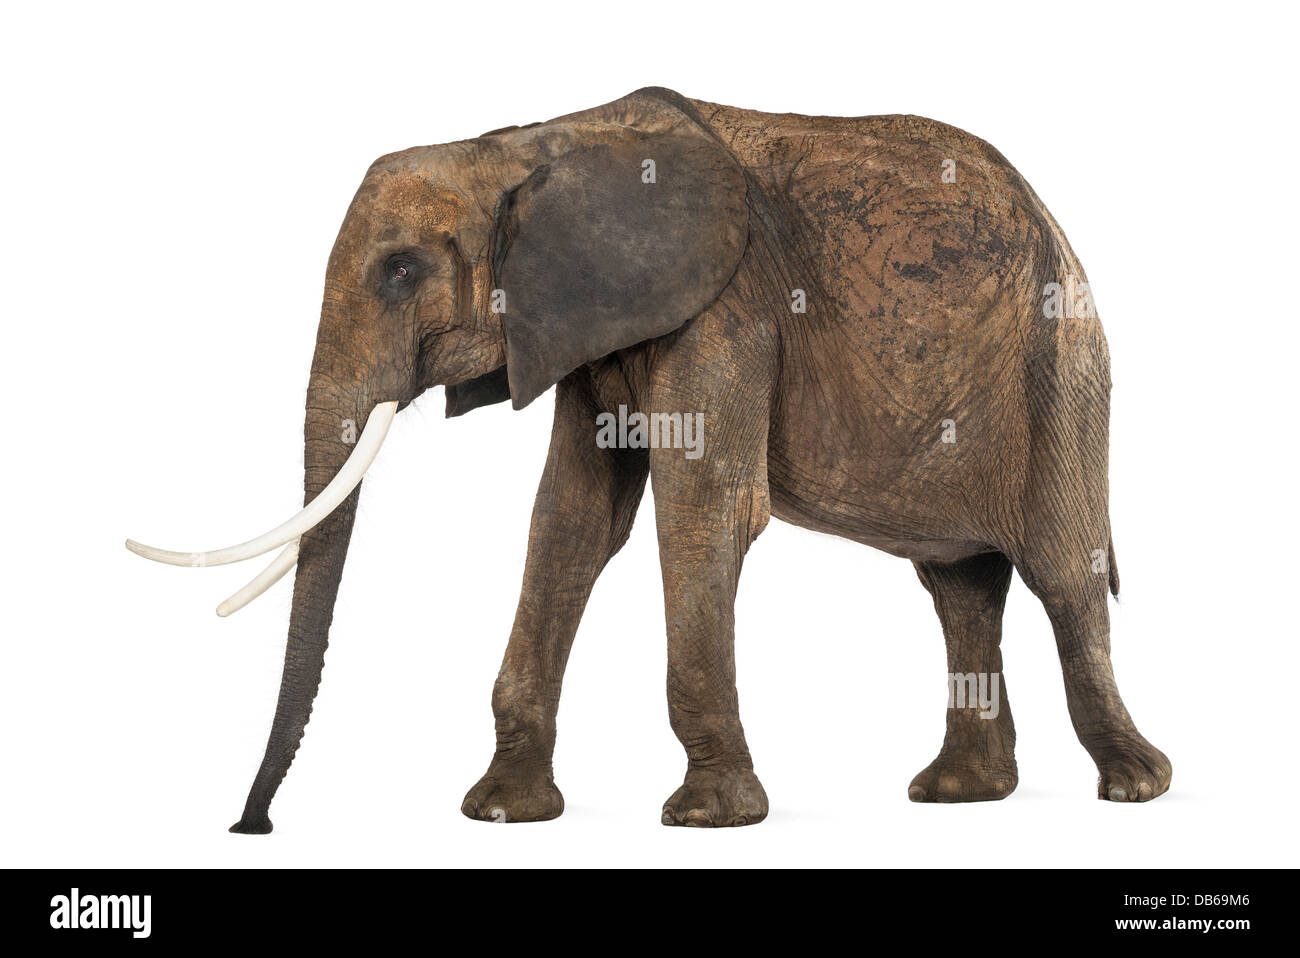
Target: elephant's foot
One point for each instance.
(1132, 770)
(954, 779)
(716, 798)
(514, 795)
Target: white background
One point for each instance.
(173, 182)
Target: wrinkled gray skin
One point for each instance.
(924, 304)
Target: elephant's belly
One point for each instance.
(860, 516)
(924, 465)
(863, 529)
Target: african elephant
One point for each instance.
(881, 332)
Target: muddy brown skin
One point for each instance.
(923, 402)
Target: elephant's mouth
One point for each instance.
(287, 533)
(493, 387)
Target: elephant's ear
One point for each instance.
(600, 250)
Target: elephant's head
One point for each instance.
(494, 266)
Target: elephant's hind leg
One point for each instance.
(1066, 561)
(1070, 576)
(977, 762)
(585, 505)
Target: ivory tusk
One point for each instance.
(339, 488)
(268, 577)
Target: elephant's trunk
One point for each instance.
(329, 430)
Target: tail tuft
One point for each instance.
(1114, 572)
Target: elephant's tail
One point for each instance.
(1114, 572)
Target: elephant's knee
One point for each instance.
(523, 715)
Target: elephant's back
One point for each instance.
(900, 217)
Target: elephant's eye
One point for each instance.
(400, 277)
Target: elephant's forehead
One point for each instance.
(393, 209)
(409, 202)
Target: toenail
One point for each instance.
(698, 816)
(1144, 791)
(667, 818)
(1118, 794)
(496, 814)
(916, 793)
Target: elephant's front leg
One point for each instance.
(585, 505)
(708, 512)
